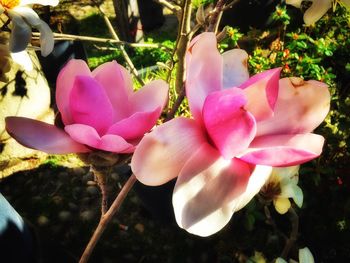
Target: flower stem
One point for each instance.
(100, 178)
(294, 218)
(106, 218)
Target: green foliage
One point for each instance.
(198, 3)
(233, 35)
(281, 15)
(145, 57)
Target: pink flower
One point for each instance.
(242, 126)
(99, 110)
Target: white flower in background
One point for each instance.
(282, 185)
(305, 256)
(23, 19)
(317, 9)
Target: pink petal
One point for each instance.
(210, 189)
(117, 82)
(300, 108)
(64, 85)
(284, 150)
(229, 125)
(204, 71)
(150, 97)
(42, 136)
(262, 92)
(136, 125)
(161, 154)
(90, 105)
(235, 68)
(88, 135)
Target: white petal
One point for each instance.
(305, 256)
(22, 58)
(235, 68)
(210, 189)
(292, 191)
(1, 10)
(286, 175)
(46, 35)
(295, 3)
(46, 39)
(280, 260)
(256, 181)
(28, 15)
(39, 2)
(316, 11)
(21, 33)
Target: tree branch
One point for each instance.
(106, 218)
(124, 53)
(294, 218)
(184, 39)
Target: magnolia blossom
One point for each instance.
(242, 126)
(305, 256)
(317, 9)
(282, 185)
(99, 110)
(23, 19)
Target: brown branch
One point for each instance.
(173, 8)
(61, 37)
(294, 218)
(271, 222)
(100, 178)
(124, 53)
(184, 39)
(216, 16)
(230, 5)
(106, 218)
(180, 98)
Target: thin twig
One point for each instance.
(184, 30)
(216, 16)
(271, 222)
(124, 53)
(100, 178)
(294, 218)
(230, 5)
(61, 37)
(173, 8)
(106, 218)
(180, 98)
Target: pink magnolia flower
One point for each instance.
(241, 128)
(99, 110)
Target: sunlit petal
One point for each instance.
(161, 154)
(301, 106)
(235, 68)
(42, 136)
(283, 150)
(204, 71)
(228, 124)
(64, 85)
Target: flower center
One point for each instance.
(9, 4)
